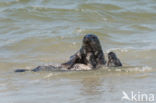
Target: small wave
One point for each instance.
(96, 6)
(128, 49)
(129, 69)
(118, 49)
(139, 69)
(50, 75)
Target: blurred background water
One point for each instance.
(39, 32)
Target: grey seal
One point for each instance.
(89, 56)
(113, 61)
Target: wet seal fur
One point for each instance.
(113, 61)
(90, 54)
(89, 57)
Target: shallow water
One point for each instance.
(41, 32)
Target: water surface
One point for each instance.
(41, 32)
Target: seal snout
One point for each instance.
(88, 38)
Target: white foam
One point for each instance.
(119, 49)
(139, 69)
(49, 75)
(128, 69)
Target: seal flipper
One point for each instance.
(41, 68)
(21, 70)
(73, 59)
(46, 68)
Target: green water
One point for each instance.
(41, 32)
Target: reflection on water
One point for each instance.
(91, 86)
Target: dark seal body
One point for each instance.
(90, 56)
(113, 61)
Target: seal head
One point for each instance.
(113, 61)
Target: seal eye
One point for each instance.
(94, 38)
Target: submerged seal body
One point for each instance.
(113, 61)
(90, 56)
